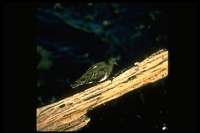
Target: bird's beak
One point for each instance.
(117, 64)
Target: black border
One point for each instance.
(19, 61)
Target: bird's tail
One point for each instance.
(78, 82)
(75, 85)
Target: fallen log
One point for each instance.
(70, 114)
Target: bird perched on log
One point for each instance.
(96, 73)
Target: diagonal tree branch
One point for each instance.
(70, 114)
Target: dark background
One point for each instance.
(64, 52)
(128, 31)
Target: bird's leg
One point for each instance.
(111, 79)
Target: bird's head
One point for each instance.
(112, 61)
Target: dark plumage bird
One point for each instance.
(96, 73)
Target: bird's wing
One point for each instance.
(96, 73)
(93, 75)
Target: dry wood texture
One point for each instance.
(70, 113)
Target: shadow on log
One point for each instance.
(70, 114)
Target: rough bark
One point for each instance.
(70, 114)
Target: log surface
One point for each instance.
(70, 114)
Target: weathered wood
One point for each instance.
(69, 114)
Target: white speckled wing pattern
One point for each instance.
(96, 73)
(93, 76)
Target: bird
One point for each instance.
(96, 73)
